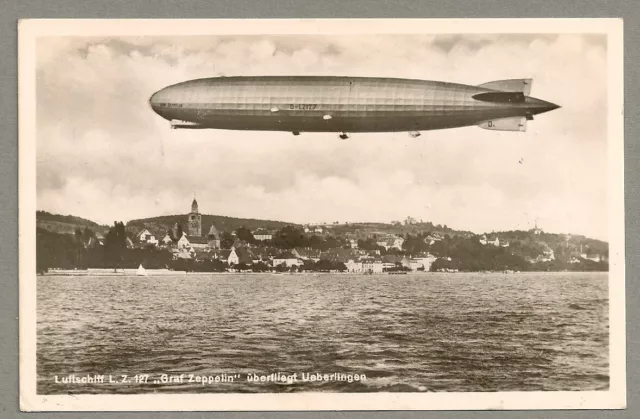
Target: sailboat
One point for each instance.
(141, 271)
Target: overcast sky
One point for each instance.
(103, 154)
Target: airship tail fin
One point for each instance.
(516, 123)
(512, 85)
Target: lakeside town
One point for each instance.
(200, 243)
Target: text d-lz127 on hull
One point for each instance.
(346, 104)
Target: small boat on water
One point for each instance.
(141, 271)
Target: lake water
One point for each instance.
(407, 333)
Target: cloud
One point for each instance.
(103, 154)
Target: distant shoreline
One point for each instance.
(166, 272)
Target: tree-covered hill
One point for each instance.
(66, 224)
(561, 244)
(163, 223)
(364, 230)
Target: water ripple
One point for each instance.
(413, 333)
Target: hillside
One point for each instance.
(66, 224)
(363, 230)
(162, 224)
(532, 250)
(528, 244)
(559, 243)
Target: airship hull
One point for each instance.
(336, 104)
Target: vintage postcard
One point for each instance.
(321, 214)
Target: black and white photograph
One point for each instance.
(321, 214)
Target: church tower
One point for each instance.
(195, 220)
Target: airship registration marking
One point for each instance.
(303, 106)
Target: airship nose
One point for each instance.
(158, 102)
(153, 101)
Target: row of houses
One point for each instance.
(356, 261)
(145, 237)
(375, 264)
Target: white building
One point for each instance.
(391, 243)
(239, 255)
(372, 265)
(354, 266)
(288, 259)
(593, 258)
(166, 240)
(262, 235)
(422, 262)
(183, 242)
(146, 237)
(547, 256)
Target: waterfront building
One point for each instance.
(286, 258)
(425, 261)
(372, 265)
(354, 266)
(239, 255)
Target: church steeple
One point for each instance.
(194, 205)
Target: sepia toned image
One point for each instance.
(296, 215)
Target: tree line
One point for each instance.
(66, 251)
(459, 252)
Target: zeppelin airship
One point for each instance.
(346, 105)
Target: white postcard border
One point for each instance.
(30, 30)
